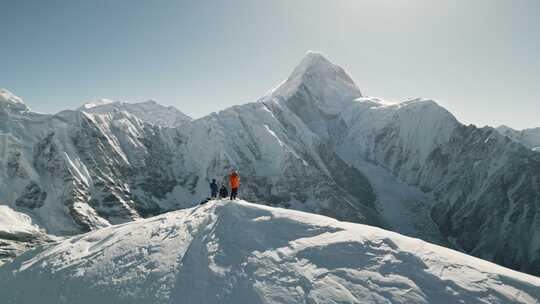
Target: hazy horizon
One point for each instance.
(479, 60)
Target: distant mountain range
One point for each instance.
(314, 143)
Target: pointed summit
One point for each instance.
(330, 87)
(314, 62)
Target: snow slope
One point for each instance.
(237, 252)
(404, 208)
(17, 233)
(13, 222)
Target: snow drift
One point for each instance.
(238, 252)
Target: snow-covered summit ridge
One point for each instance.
(149, 111)
(12, 101)
(237, 252)
(97, 103)
(316, 64)
(528, 137)
(7, 96)
(379, 102)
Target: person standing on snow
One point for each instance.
(223, 193)
(234, 179)
(213, 189)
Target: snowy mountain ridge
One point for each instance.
(11, 101)
(149, 111)
(97, 103)
(7, 96)
(312, 144)
(237, 252)
(528, 137)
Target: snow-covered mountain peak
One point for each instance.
(314, 66)
(316, 63)
(7, 96)
(12, 101)
(318, 79)
(149, 111)
(97, 103)
(504, 128)
(237, 252)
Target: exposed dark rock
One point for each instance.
(32, 197)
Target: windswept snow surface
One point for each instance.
(13, 222)
(237, 252)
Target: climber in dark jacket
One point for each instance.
(213, 189)
(223, 193)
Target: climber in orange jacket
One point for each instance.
(234, 179)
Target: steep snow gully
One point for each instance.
(238, 252)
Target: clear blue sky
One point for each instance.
(480, 59)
